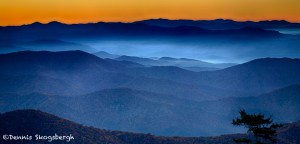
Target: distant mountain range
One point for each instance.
(254, 77)
(56, 30)
(7, 46)
(222, 41)
(220, 24)
(62, 73)
(188, 64)
(185, 63)
(69, 72)
(162, 100)
(32, 122)
(90, 73)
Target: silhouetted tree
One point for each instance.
(262, 128)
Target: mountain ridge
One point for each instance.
(33, 122)
(220, 23)
(54, 30)
(81, 70)
(274, 72)
(174, 20)
(144, 111)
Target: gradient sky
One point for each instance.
(17, 12)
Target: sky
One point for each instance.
(18, 12)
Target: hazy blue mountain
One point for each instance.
(251, 78)
(77, 72)
(104, 55)
(220, 23)
(74, 73)
(9, 48)
(185, 63)
(7, 45)
(140, 111)
(199, 69)
(55, 30)
(55, 45)
(257, 76)
(69, 72)
(140, 60)
(64, 60)
(147, 112)
(138, 39)
(31, 122)
(282, 104)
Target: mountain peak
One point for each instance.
(36, 24)
(55, 23)
(32, 59)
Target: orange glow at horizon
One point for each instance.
(18, 12)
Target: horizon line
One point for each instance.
(95, 22)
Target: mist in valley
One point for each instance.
(205, 49)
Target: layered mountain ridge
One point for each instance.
(161, 100)
(34, 122)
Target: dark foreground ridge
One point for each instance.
(32, 122)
